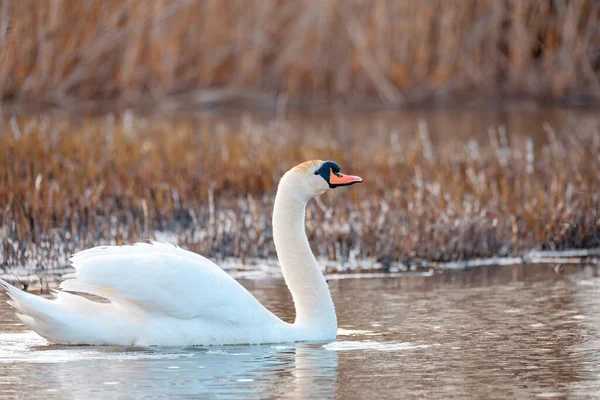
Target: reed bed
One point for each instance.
(70, 52)
(209, 183)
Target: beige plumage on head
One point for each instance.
(308, 165)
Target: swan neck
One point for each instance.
(302, 274)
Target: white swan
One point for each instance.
(163, 295)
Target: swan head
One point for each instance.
(313, 178)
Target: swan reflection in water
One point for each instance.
(301, 370)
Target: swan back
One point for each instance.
(160, 279)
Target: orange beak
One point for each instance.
(336, 179)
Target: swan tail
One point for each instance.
(34, 311)
(64, 319)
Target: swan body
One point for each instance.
(160, 294)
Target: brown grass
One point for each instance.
(432, 190)
(68, 51)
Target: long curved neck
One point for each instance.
(303, 276)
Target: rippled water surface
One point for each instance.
(497, 332)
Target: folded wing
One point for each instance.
(163, 280)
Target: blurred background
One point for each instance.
(69, 52)
(474, 123)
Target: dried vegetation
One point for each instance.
(67, 52)
(430, 193)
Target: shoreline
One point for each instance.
(261, 269)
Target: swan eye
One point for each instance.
(317, 172)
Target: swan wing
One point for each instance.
(163, 279)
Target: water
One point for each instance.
(494, 332)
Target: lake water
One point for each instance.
(494, 332)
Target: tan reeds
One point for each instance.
(66, 51)
(430, 192)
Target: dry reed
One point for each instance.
(67, 52)
(68, 184)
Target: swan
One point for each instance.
(160, 294)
